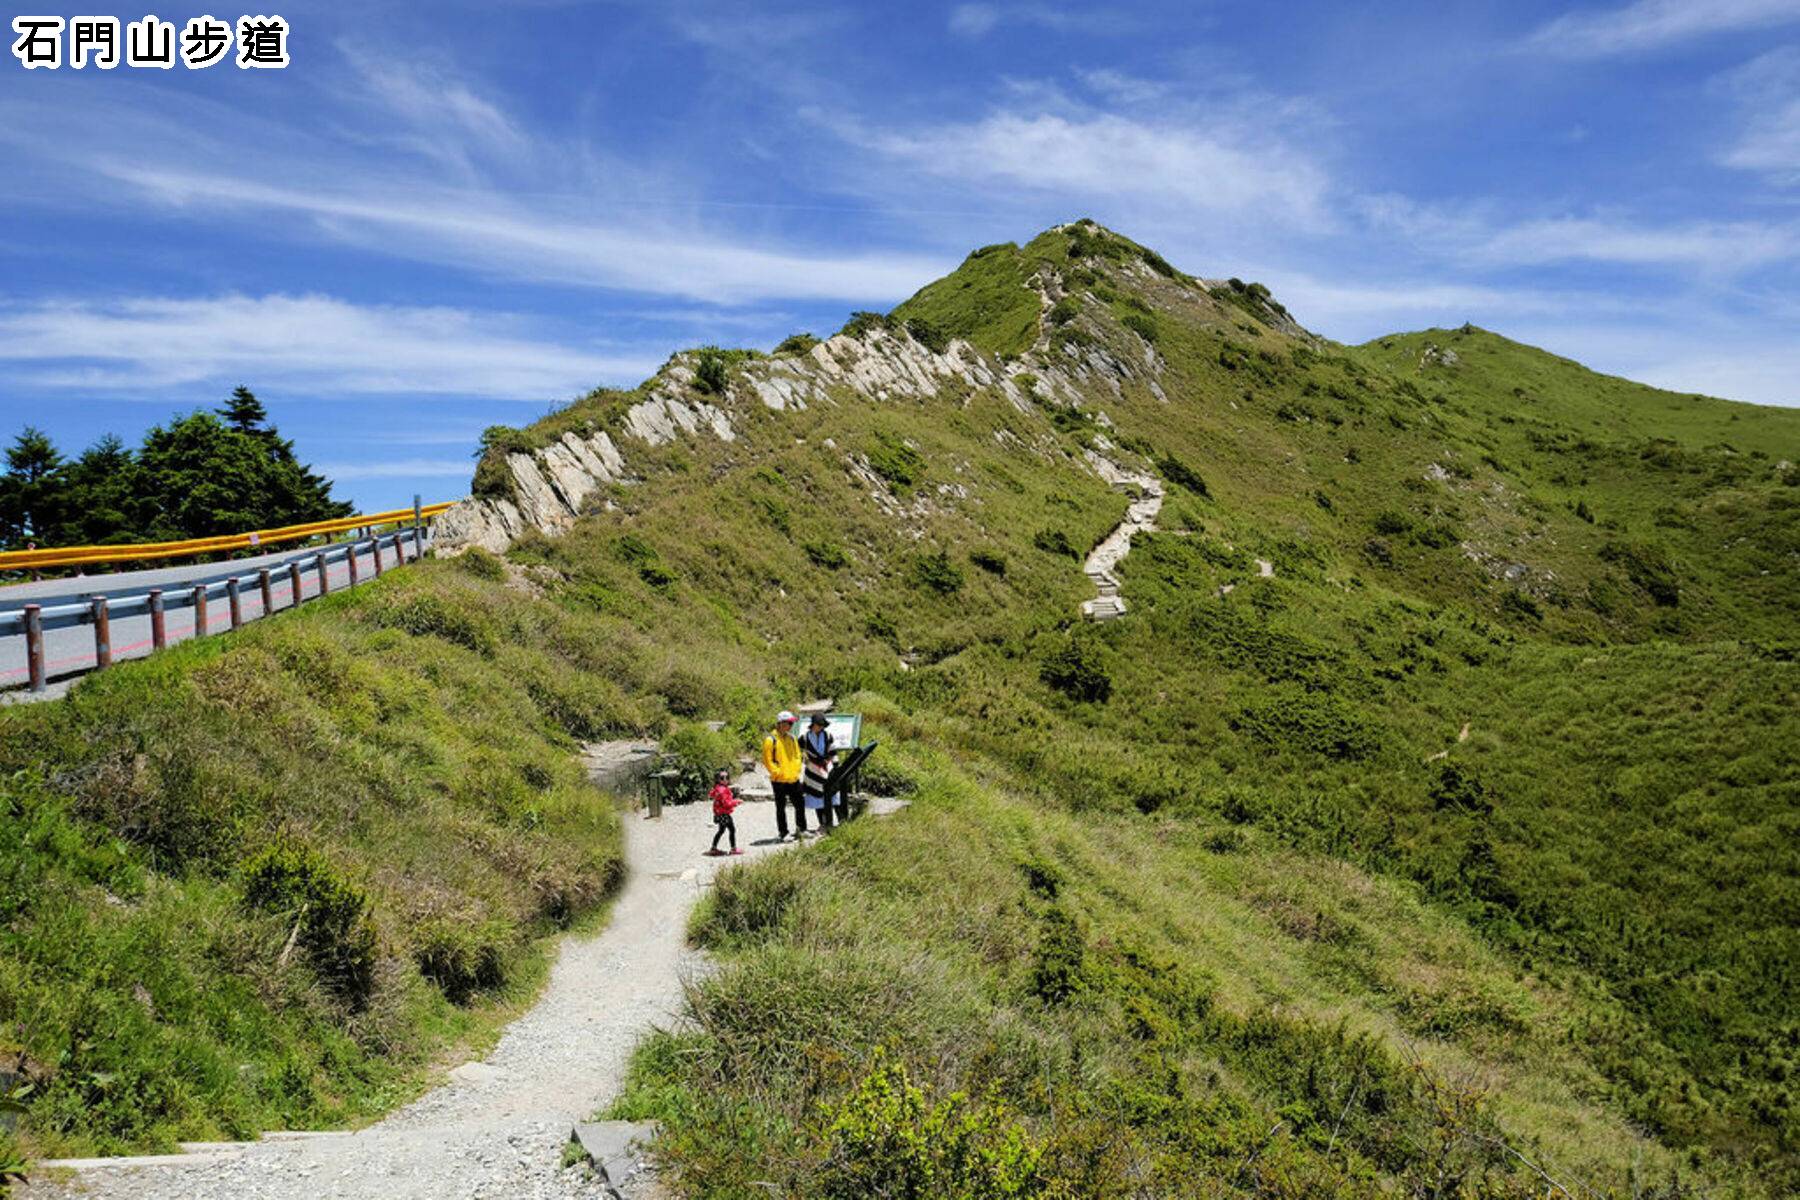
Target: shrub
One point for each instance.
(895, 461)
(1178, 472)
(1056, 968)
(481, 564)
(861, 323)
(827, 555)
(330, 915)
(935, 572)
(1648, 566)
(1142, 324)
(1157, 263)
(928, 335)
(991, 561)
(458, 959)
(1458, 787)
(749, 905)
(1064, 310)
(796, 343)
(709, 371)
(697, 752)
(427, 614)
(1054, 541)
(1311, 722)
(887, 1140)
(1077, 669)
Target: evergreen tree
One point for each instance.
(245, 413)
(201, 475)
(31, 502)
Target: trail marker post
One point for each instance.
(159, 630)
(34, 645)
(102, 634)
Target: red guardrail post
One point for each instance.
(200, 611)
(350, 557)
(237, 605)
(102, 634)
(268, 591)
(159, 633)
(324, 575)
(294, 582)
(34, 645)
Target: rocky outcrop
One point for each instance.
(549, 488)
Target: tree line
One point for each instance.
(201, 475)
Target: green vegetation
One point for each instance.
(272, 880)
(200, 475)
(1454, 856)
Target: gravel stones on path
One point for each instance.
(497, 1130)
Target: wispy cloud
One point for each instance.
(316, 343)
(978, 20)
(399, 468)
(1707, 246)
(1086, 156)
(1768, 91)
(544, 245)
(1653, 24)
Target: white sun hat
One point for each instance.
(783, 715)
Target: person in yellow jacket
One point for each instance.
(781, 759)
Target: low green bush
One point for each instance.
(330, 915)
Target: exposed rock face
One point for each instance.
(553, 486)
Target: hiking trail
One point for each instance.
(496, 1130)
(1140, 516)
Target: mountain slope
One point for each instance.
(1425, 825)
(1445, 551)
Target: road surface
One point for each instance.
(69, 651)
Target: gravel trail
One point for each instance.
(496, 1131)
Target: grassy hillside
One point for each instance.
(268, 880)
(1453, 853)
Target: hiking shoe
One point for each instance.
(738, 851)
(715, 853)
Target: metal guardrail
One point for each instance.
(21, 560)
(98, 611)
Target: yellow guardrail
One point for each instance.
(17, 560)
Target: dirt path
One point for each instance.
(497, 1129)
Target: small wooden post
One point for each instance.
(324, 575)
(34, 644)
(200, 611)
(294, 582)
(102, 634)
(237, 604)
(159, 632)
(268, 591)
(377, 552)
(350, 557)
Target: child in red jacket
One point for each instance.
(724, 800)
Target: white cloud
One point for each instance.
(316, 343)
(1086, 156)
(1651, 24)
(978, 20)
(1707, 246)
(548, 242)
(1768, 91)
(973, 20)
(400, 468)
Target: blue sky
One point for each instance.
(446, 216)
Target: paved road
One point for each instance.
(69, 651)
